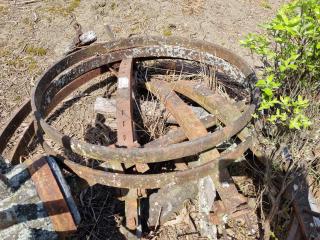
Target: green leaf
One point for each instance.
(261, 83)
(282, 68)
(255, 116)
(294, 124)
(294, 21)
(268, 91)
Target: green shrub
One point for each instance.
(290, 52)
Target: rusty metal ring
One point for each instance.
(153, 181)
(133, 49)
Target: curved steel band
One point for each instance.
(61, 76)
(153, 181)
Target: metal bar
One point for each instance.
(13, 123)
(125, 128)
(183, 114)
(125, 132)
(214, 103)
(65, 189)
(178, 134)
(140, 48)
(52, 197)
(153, 181)
(21, 145)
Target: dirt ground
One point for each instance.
(35, 34)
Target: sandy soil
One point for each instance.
(35, 34)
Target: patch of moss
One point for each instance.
(3, 10)
(167, 32)
(64, 11)
(73, 5)
(265, 4)
(113, 6)
(17, 98)
(4, 52)
(36, 51)
(27, 64)
(27, 21)
(31, 64)
(16, 62)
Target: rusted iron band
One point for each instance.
(115, 54)
(52, 197)
(22, 112)
(22, 144)
(183, 114)
(132, 44)
(152, 154)
(153, 181)
(125, 127)
(13, 123)
(178, 135)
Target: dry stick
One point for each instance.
(97, 219)
(275, 201)
(26, 2)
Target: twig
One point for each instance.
(26, 2)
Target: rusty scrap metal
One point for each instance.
(52, 197)
(216, 104)
(13, 123)
(136, 156)
(126, 133)
(183, 114)
(154, 181)
(80, 67)
(193, 128)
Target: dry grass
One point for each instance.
(289, 154)
(193, 7)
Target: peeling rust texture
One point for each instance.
(149, 47)
(183, 114)
(14, 122)
(153, 181)
(80, 67)
(125, 132)
(178, 135)
(52, 197)
(216, 104)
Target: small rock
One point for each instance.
(88, 37)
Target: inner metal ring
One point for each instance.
(157, 47)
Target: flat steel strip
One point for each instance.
(221, 177)
(215, 104)
(183, 114)
(52, 197)
(125, 131)
(13, 123)
(21, 145)
(125, 128)
(153, 181)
